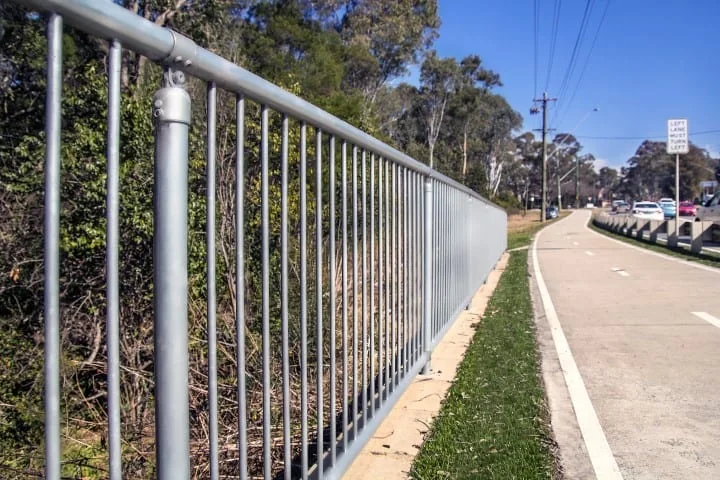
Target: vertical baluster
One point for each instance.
(396, 277)
(345, 304)
(265, 232)
(240, 282)
(303, 304)
(318, 297)
(388, 286)
(333, 300)
(406, 270)
(381, 277)
(355, 291)
(51, 232)
(372, 284)
(211, 292)
(364, 289)
(112, 260)
(284, 300)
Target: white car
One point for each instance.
(648, 211)
(711, 210)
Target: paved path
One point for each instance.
(644, 332)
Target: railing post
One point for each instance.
(51, 232)
(171, 114)
(427, 272)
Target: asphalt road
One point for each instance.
(643, 333)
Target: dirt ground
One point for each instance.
(519, 222)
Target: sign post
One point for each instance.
(677, 143)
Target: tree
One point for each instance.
(608, 178)
(438, 80)
(499, 122)
(522, 177)
(473, 84)
(395, 33)
(650, 173)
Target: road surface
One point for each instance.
(643, 332)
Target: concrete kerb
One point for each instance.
(696, 237)
(641, 226)
(390, 452)
(646, 251)
(630, 224)
(657, 227)
(619, 224)
(700, 232)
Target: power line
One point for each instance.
(587, 61)
(553, 41)
(536, 19)
(578, 41)
(573, 56)
(652, 137)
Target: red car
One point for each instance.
(687, 209)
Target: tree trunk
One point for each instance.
(464, 168)
(432, 150)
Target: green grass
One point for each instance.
(679, 252)
(494, 422)
(523, 237)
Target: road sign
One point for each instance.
(677, 134)
(709, 184)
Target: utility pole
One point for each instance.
(543, 101)
(577, 181)
(559, 187)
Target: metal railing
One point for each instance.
(411, 247)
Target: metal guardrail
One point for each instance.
(413, 246)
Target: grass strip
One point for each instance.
(679, 252)
(494, 422)
(523, 236)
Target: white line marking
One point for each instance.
(588, 252)
(576, 243)
(708, 318)
(620, 271)
(650, 252)
(601, 456)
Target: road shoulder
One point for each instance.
(573, 459)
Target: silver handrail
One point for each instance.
(415, 246)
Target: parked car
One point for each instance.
(648, 210)
(687, 209)
(620, 206)
(552, 212)
(668, 207)
(711, 209)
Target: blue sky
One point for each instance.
(653, 60)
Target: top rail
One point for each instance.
(107, 20)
